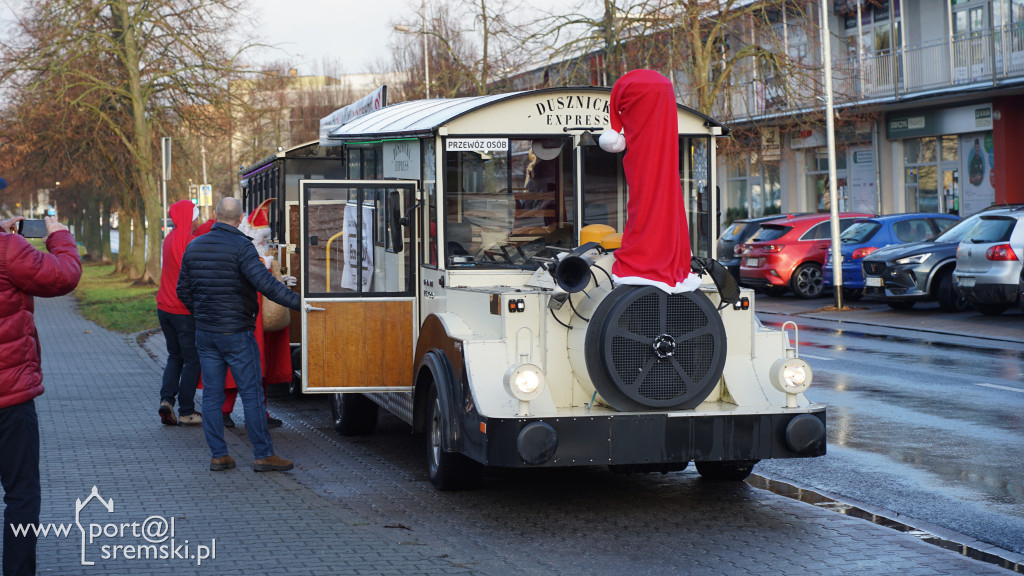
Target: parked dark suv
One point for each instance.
(730, 243)
(904, 274)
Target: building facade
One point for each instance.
(929, 97)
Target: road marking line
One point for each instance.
(999, 387)
(815, 357)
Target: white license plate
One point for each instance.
(965, 281)
(873, 281)
(753, 262)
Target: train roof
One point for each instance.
(419, 118)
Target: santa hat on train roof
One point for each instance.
(656, 242)
(260, 216)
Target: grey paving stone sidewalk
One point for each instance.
(100, 428)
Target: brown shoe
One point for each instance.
(273, 463)
(225, 462)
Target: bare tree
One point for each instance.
(473, 47)
(160, 59)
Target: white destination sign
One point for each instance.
(477, 145)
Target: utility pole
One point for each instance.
(830, 137)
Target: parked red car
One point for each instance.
(788, 254)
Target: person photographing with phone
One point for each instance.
(25, 273)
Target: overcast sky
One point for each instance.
(355, 33)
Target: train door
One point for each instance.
(359, 322)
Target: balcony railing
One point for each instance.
(989, 56)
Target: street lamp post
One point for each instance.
(426, 54)
(830, 137)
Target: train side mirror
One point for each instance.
(394, 223)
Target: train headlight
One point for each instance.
(525, 382)
(791, 376)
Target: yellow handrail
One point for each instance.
(328, 288)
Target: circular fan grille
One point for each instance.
(647, 349)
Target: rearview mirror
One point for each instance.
(396, 243)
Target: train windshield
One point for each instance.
(508, 202)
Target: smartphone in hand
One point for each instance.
(32, 228)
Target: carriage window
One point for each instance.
(349, 250)
(507, 205)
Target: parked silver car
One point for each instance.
(988, 262)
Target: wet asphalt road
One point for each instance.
(927, 425)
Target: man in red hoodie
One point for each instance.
(181, 374)
(24, 273)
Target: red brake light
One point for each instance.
(772, 247)
(862, 252)
(1001, 252)
(737, 249)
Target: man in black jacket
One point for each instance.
(220, 275)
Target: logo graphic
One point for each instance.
(79, 506)
(151, 539)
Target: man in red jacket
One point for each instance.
(181, 374)
(25, 272)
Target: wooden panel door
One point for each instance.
(358, 278)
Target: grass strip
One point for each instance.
(112, 301)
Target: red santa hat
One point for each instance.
(260, 217)
(656, 242)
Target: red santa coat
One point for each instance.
(655, 243)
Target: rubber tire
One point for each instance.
(773, 291)
(990, 309)
(354, 414)
(900, 304)
(295, 386)
(735, 471)
(852, 294)
(806, 281)
(949, 298)
(447, 470)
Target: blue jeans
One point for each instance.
(181, 375)
(238, 351)
(19, 474)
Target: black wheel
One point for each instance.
(354, 414)
(807, 281)
(295, 386)
(950, 299)
(990, 309)
(447, 470)
(774, 291)
(900, 304)
(852, 294)
(736, 471)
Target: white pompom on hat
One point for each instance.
(612, 141)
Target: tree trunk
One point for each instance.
(91, 230)
(146, 263)
(105, 231)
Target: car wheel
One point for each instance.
(447, 470)
(990, 309)
(807, 281)
(353, 414)
(901, 304)
(852, 294)
(774, 291)
(950, 299)
(726, 471)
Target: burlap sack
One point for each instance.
(275, 316)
